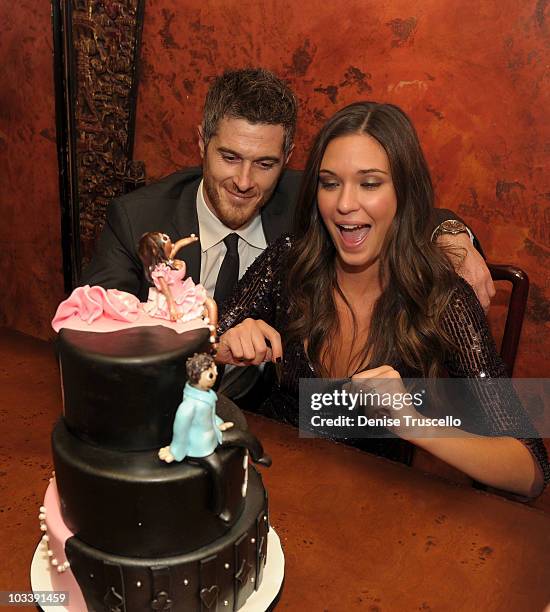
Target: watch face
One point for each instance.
(452, 226)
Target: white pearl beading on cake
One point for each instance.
(61, 567)
(65, 565)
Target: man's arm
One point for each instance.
(115, 264)
(443, 214)
(468, 259)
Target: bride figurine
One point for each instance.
(172, 298)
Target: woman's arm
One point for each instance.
(182, 242)
(515, 459)
(256, 294)
(246, 333)
(502, 463)
(511, 457)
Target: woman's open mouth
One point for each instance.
(353, 235)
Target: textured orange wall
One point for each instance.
(471, 74)
(30, 234)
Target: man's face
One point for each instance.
(241, 166)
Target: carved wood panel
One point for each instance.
(96, 54)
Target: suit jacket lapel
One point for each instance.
(185, 223)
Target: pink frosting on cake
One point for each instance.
(57, 534)
(106, 310)
(188, 298)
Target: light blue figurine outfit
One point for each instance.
(196, 431)
(196, 435)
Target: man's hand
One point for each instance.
(470, 265)
(250, 343)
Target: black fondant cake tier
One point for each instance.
(220, 576)
(149, 535)
(121, 389)
(132, 503)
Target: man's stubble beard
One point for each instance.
(231, 216)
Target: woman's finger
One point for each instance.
(260, 347)
(232, 345)
(247, 343)
(274, 339)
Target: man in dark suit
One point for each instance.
(245, 140)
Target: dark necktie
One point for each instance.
(229, 271)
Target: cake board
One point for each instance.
(265, 598)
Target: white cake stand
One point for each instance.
(259, 601)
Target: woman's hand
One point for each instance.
(390, 398)
(501, 462)
(250, 343)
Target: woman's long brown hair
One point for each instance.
(416, 277)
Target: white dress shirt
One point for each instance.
(212, 232)
(236, 381)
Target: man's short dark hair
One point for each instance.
(196, 365)
(253, 94)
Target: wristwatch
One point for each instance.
(453, 227)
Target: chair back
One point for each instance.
(516, 309)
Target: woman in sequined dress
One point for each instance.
(360, 291)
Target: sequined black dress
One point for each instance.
(261, 294)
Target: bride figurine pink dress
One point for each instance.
(172, 298)
(187, 298)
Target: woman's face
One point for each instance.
(356, 198)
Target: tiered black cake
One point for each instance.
(144, 535)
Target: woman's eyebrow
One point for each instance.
(367, 171)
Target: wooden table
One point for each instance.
(359, 532)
